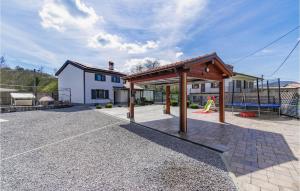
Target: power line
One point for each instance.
(251, 54)
(286, 58)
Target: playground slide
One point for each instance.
(208, 105)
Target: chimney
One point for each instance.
(110, 65)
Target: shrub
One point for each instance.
(194, 106)
(98, 107)
(188, 103)
(174, 103)
(109, 105)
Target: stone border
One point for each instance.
(31, 108)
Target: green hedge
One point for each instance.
(174, 103)
(109, 105)
(98, 107)
(194, 106)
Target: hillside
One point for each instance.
(16, 78)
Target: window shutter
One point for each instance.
(93, 94)
(106, 94)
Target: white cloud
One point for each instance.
(19, 38)
(175, 18)
(161, 25)
(58, 16)
(178, 54)
(105, 40)
(265, 52)
(132, 63)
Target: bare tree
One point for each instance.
(151, 64)
(3, 62)
(41, 69)
(145, 65)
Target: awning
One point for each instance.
(22, 95)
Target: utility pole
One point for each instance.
(34, 85)
(262, 82)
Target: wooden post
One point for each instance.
(183, 102)
(168, 99)
(131, 105)
(258, 96)
(268, 91)
(221, 102)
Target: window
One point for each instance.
(214, 85)
(115, 79)
(202, 87)
(195, 86)
(245, 84)
(251, 85)
(238, 84)
(100, 77)
(100, 94)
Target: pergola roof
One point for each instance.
(194, 67)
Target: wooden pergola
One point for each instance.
(206, 67)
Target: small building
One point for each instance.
(22, 99)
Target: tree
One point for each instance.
(19, 68)
(145, 65)
(41, 69)
(151, 64)
(3, 62)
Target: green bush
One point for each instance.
(98, 107)
(109, 105)
(174, 103)
(188, 103)
(194, 106)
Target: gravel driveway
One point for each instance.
(80, 149)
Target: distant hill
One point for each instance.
(282, 83)
(19, 76)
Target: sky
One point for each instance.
(37, 33)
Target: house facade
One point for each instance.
(89, 85)
(199, 91)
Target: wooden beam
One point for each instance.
(221, 101)
(168, 100)
(183, 102)
(153, 77)
(131, 105)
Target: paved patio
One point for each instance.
(263, 153)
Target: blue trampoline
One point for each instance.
(263, 105)
(258, 102)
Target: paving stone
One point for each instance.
(256, 144)
(264, 184)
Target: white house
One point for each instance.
(198, 91)
(90, 85)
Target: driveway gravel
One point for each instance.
(80, 149)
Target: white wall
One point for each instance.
(208, 88)
(91, 83)
(71, 77)
(121, 96)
